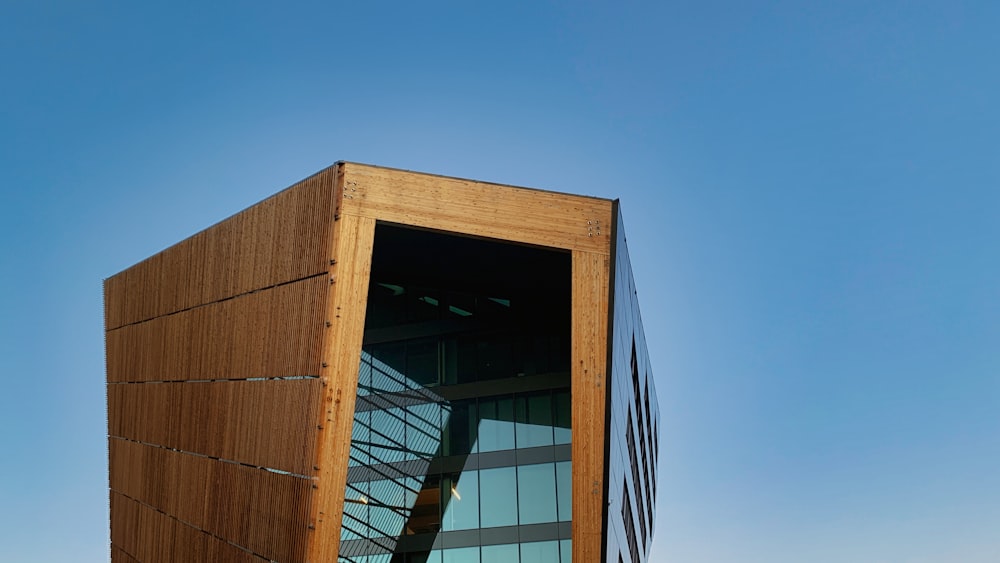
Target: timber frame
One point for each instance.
(581, 225)
(302, 260)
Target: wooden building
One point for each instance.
(376, 365)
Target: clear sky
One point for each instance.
(811, 192)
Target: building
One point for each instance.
(381, 366)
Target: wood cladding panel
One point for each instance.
(265, 512)
(591, 274)
(141, 533)
(354, 238)
(119, 556)
(281, 239)
(479, 209)
(275, 332)
(268, 423)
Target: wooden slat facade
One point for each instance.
(279, 290)
(226, 339)
(267, 424)
(213, 364)
(265, 512)
(281, 239)
(141, 533)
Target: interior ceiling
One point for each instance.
(448, 261)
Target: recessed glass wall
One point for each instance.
(460, 450)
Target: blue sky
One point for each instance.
(810, 189)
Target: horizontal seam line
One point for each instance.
(221, 379)
(192, 526)
(214, 458)
(191, 308)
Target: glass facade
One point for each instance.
(633, 421)
(460, 450)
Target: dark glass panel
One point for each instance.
(496, 424)
(460, 431)
(494, 357)
(425, 517)
(534, 420)
(422, 362)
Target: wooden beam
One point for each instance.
(353, 240)
(468, 207)
(589, 375)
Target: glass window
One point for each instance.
(461, 429)
(426, 306)
(534, 420)
(563, 417)
(565, 551)
(564, 490)
(422, 362)
(500, 553)
(494, 356)
(386, 502)
(391, 355)
(495, 491)
(536, 493)
(426, 514)
(461, 555)
(496, 424)
(460, 497)
(540, 552)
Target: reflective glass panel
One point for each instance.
(500, 553)
(536, 493)
(496, 487)
(496, 424)
(564, 490)
(566, 551)
(461, 500)
(563, 416)
(461, 555)
(534, 420)
(540, 552)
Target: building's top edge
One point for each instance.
(447, 177)
(337, 164)
(227, 218)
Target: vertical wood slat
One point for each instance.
(591, 273)
(263, 511)
(281, 239)
(276, 332)
(140, 533)
(262, 423)
(354, 238)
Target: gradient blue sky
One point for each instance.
(811, 192)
